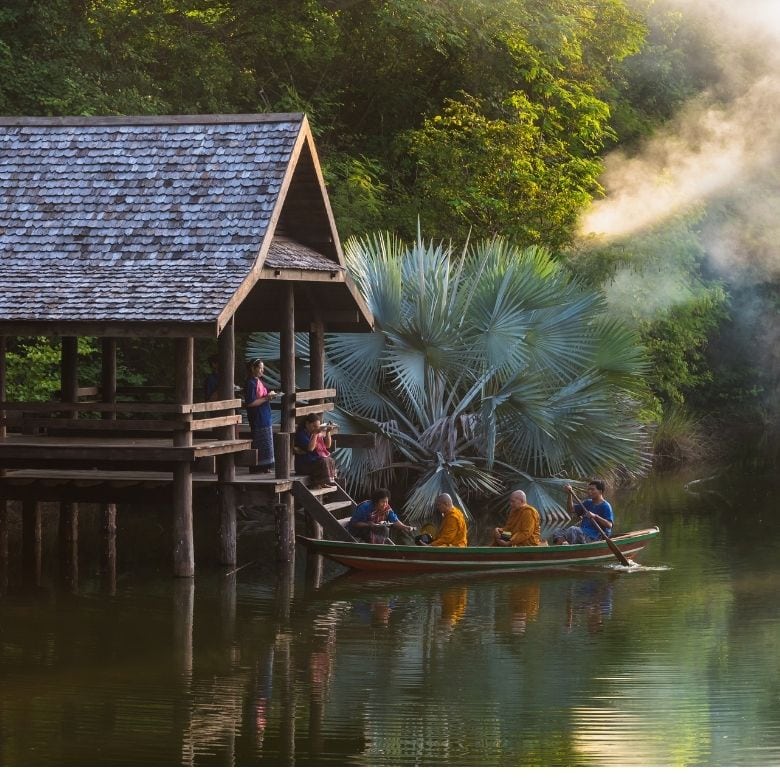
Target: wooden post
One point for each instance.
(282, 455)
(69, 372)
(32, 540)
(3, 428)
(108, 544)
(317, 382)
(317, 355)
(69, 543)
(183, 538)
(183, 619)
(108, 374)
(286, 519)
(226, 465)
(314, 562)
(287, 359)
(285, 536)
(3, 546)
(227, 610)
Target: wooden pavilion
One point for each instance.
(178, 227)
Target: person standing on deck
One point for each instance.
(258, 399)
(522, 526)
(593, 510)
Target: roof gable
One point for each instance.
(149, 219)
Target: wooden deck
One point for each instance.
(125, 486)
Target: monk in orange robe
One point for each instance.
(522, 526)
(452, 531)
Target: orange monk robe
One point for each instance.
(523, 524)
(452, 532)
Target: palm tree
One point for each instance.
(488, 370)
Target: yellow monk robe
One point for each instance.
(453, 530)
(523, 524)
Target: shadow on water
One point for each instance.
(673, 662)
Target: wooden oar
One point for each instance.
(612, 546)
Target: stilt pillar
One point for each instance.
(108, 548)
(227, 551)
(183, 536)
(32, 540)
(69, 543)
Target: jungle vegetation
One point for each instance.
(472, 118)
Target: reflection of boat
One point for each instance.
(413, 559)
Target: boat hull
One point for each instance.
(415, 559)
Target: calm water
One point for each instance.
(674, 664)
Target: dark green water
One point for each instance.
(674, 664)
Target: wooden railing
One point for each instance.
(307, 396)
(130, 417)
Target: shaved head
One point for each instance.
(444, 500)
(517, 498)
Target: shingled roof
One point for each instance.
(156, 220)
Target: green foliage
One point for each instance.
(676, 62)
(380, 80)
(33, 367)
(675, 345)
(502, 175)
(488, 370)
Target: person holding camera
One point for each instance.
(312, 451)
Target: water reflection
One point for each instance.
(676, 664)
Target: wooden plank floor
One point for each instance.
(121, 479)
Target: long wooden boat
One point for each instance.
(413, 559)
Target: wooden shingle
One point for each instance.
(149, 219)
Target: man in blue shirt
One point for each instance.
(593, 510)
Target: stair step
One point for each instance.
(338, 505)
(321, 491)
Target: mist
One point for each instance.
(720, 153)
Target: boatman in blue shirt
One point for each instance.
(593, 510)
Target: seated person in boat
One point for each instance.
(452, 530)
(522, 526)
(594, 509)
(372, 519)
(312, 456)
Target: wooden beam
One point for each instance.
(108, 374)
(69, 370)
(227, 423)
(335, 276)
(55, 329)
(287, 359)
(227, 548)
(316, 357)
(355, 441)
(3, 428)
(184, 385)
(302, 411)
(308, 395)
(120, 407)
(183, 537)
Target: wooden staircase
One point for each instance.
(331, 507)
